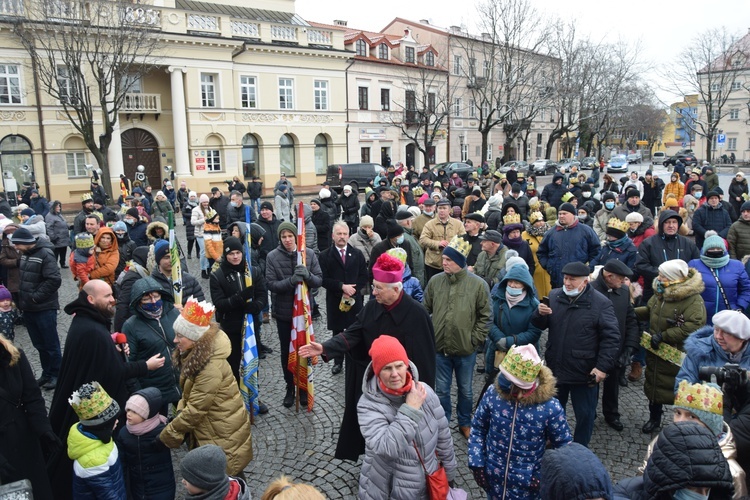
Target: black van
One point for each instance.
(354, 174)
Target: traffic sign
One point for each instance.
(721, 138)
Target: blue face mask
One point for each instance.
(609, 205)
(699, 194)
(514, 292)
(685, 494)
(400, 239)
(152, 307)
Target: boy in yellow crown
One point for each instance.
(617, 245)
(96, 461)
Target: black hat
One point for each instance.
(633, 192)
(609, 195)
(618, 267)
(719, 190)
(567, 207)
(576, 269)
(214, 189)
(745, 206)
(429, 202)
(403, 215)
(232, 243)
(394, 230)
(444, 203)
(713, 193)
(22, 236)
(266, 204)
(474, 216)
(491, 235)
(648, 172)
(133, 212)
(515, 188)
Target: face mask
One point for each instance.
(234, 204)
(571, 293)
(514, 292)
(688, 495)
(583, 217)
(698, 194)
(586, 194)
(152, 306)
(429, 214)
(609, 205)
(715, 254)
(400, 239)
(130, 222)
(120, 236)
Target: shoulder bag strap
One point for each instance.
(721, 288)
(419, 457)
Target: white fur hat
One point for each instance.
(324, 193)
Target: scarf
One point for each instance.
(715, 262)
(514, 243)
(618, 243)
(147, 425)
(514, 300)
(153, 314)
(538, 231)
(397, 392)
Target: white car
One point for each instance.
(658, 158)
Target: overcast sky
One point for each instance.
(663, 28)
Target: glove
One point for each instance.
(625, 357)
(656, 340)
(157, 446)
(480, 477)
(302, 271)
(252, 308)
(297, 279)
(51, 442)
(247, 293)
(502, 344)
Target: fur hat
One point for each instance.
(705, 401)
(521, 366)
(93, 405)
(194, 320)
(457, 250)
(385, 350)
(388, 269)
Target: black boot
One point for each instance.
(289, 398)
(303, 399)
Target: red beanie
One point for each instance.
(386, 349)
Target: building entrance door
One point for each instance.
(139, 147)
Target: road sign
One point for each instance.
(721, 139)
(684, 144)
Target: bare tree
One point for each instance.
(708, 67)
(87, 56)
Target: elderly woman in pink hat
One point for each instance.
(514, 420)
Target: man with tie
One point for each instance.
(344, 278)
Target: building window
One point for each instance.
(364, 155)
(213, 160)
(734, 114)
(248, 92)
(472, 67)
(131, 83)
(731, 143)
(250, 162)
(431, 102)
(363, 96)
(472, 108)
(288, 164)
(409, 54)
(286, 91)
(10, 84)
(429, 59)
(715, 115)
(715, 87)
(410, 102)
(76, 163)
(321, 95)
(321, 154)
(485, 110)
(464, 152)
(208, 90)
(486, 68)
(385, 99)
(361, 48)
(457, 107)
(65, 86)
(736, 85)
(457, 65)
(383, 51)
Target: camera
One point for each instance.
(730, 375)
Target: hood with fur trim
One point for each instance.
(107, 230)
(214, 344)
(546, 390)
(693, 285)
(151, 231)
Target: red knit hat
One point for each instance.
(388, 269)
(386, 349)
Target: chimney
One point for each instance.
(455, 30)
(339, 22)
(424, 21)
(486, 37)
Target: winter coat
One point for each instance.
(280, 266)
(630, 335)
(147, 466)
(737, 190)
(97, 470)
(333, 210)
(124, 285)
(187, 214)
(39, 205)
(81, 270)
(383, 247)
(364, 244)
(23, 418)
(220, 205)
(126, 247)
(255, 190)
(434, 232)
(412, 287)
(625, 253)
(553, 193)
(198, 221)
(711, 180)
(336, 274)
(40, 279)
(509, 436)
(734, 281)
(708, 218)
(391, 468)
(271, 238)
(9, 259)
(311, 234)
(626, 208)
(236, 214)
(281, 208)
(460, 308)
(512, 323)
(675, 313)
(211, 409)
(106, 260)
(494, 219)
(640, 234)
(739, 239)
(675, 188)
(57, 229)
(161, 209)
(190, 285)
(562, 245)
(702, 350)
(322, 222)
(488, 267)
(541, 276)
(147, 337)
(601, 219)
(37, 227)
(137, 233)
(656, 250)
(349, 209)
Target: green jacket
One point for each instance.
(488, 267)
(417, 257)
(460, 308)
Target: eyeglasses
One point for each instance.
(151, 297)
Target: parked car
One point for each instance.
(634, 158)
(544, 167)
(658, 158)
(464, 170)
(565, 165)
(618, 163)
(589, 163)
(521, 166)
(688, 159)
(353, 174)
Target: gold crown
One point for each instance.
(699, 396)
(86, 197)
(418, 191)
(91, 401)
(197, 313)
(567, 197)
(618, 224)
(398, 253)
(511, 219)
(535, 216)
(521, 367)
(460, 245)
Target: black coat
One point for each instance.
(23, 418)
(322, 221)
(410, 323)
(630, 336)
(336, 274)
(221, 205)
(280, 266)
(349, 209)
(255, 190)
(190, 285)
(187, 213)
(89, 354)
(146, 466)
(583, 335)
(40, 279)
(271, 238)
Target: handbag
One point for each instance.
(437, 482)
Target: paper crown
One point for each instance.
(460, 245)
(417, 191)
(194, 320)
(521, 366)
(84, 240)
(535, 216)
(93, 405)
(512, 219)
(530, 186)
(618, 224)
(399, 253)
(567, 197)
(701, 397)
(86, 197)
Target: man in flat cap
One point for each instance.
(582, 343)
(612, 282)
(473, 223)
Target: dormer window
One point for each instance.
(383, 51)
(409, 55)
(429, 59)
(361, 48)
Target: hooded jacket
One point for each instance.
(708, 218)
(391, 468)
(136, 269)
(734, 282)
(553, 193)
(509, 436)
(107, 260)
(37, 227)
(97, 470)
(57, 227)
(702, 350)
(40, 279)
(573, 472)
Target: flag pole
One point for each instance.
(249, 363)
(300, 289)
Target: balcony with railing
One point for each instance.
(143, 16)
(317, 36)
(11, 8)
(137, 103)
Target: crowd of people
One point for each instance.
(433, 278)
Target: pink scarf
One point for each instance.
(513, 301)
(147, 425)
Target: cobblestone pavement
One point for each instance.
(302, 445)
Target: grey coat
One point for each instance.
(280, 266)
(57, 230)
(361, 242)
(391, 468)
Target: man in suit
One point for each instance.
(344, 278)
